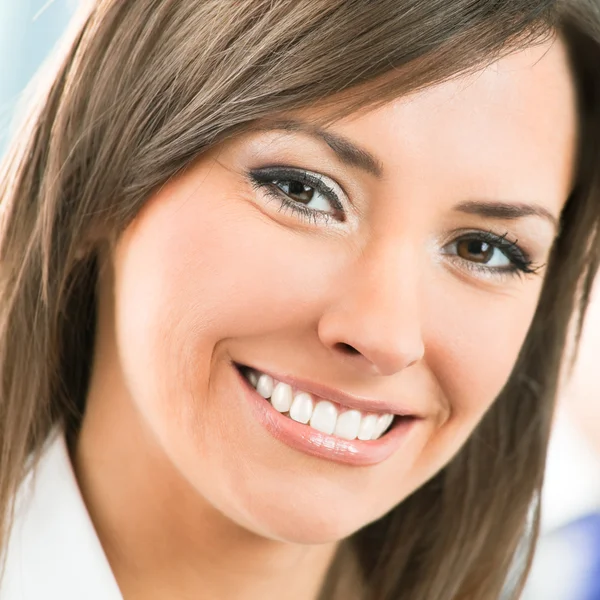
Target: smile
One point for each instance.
(323, 415)
(324, 427)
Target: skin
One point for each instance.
(190, 495)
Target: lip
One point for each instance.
(322, 392)
(310, 441)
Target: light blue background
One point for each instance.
(28, 31)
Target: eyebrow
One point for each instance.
(351, 154)
(505, 210)
(346, 151)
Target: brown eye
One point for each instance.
(298, 191)
(487, 251)
(475, 251)
(307, 195)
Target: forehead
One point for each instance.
(515, 118)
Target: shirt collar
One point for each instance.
(53, 550)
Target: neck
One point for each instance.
(160, 537)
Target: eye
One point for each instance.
(310, 195)
(483, 253)
(305, 194)
(487, 251)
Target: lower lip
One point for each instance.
(310, 441)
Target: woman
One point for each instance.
(286, 286)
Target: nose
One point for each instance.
(375, 322)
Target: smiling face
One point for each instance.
(390, 264)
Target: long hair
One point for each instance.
(141, 91)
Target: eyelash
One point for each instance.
(266, 179)
(519, 258)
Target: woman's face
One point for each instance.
(388, 265)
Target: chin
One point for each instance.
(305, 519)
(308, 529)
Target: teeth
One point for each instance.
(367, 427)
(348, 424)
(265, 386)
(281, 399)
(383, 422)
(324, 417)
(252, 377)
(302, 408)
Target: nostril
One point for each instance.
(346, 348)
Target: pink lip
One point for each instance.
(310, 441)
(363, 404)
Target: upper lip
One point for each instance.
(362, 403)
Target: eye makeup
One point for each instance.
(283, 183)
(296, 189)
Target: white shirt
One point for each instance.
(53, 550)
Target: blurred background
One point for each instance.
(567, 565)
(28, 31)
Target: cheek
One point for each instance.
(197, 271)
(194, 271)
(474, 339)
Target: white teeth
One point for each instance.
(324, 417)
(265, 386)
(302, 408)
(367, 427)
(252, 377)
(383, 422)
(281, 398)
(348, 424)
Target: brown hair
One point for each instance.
(146, 87)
